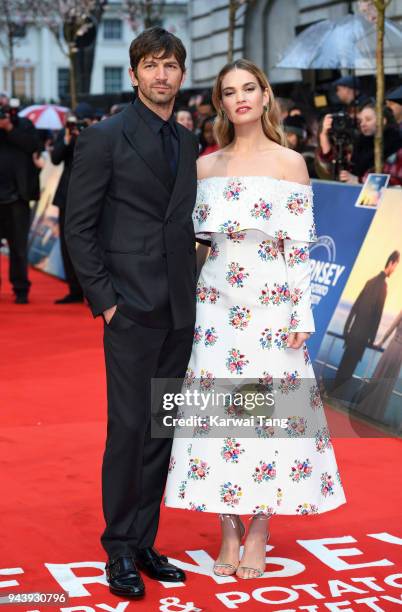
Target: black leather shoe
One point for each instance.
(124, 578)
(21, 298)
(157, 566)
(70, 298)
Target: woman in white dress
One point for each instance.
(254, 203)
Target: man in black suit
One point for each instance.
(63, 152)
(131, 239)
(19, 183)
(364, 318)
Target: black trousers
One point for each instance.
(135, 465)
(14, 226)
(71, 277)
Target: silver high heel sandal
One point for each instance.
(257, 573)
(242, 532)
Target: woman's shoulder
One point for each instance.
(207, 165)
(294, 166)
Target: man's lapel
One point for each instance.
(145, 142)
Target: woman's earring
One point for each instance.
(265, 108)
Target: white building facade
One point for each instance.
(42, 69)
(263, 30)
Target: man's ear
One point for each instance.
(183, 78)
(133, 78)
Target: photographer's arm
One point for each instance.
(91, 173)
(61, 149)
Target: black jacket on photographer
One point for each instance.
(63, 152)
(19, 177)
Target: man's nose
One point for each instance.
(161, 73)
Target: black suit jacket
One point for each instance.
(364, 318)
(128, 228)
(62, 153)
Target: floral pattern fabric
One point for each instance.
(250, 296)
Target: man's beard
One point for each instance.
(155, 99)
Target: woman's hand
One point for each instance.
(297, 339)
(348, 177)
(327, 123)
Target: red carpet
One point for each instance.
(51, 442)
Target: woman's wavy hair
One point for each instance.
(270, 118)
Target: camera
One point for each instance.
(342, 126)
(73, 124)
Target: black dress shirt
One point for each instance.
(156, 123)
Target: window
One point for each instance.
(113, 79)
(112, 29)
(63, 82)
(23, 81)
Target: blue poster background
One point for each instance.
(341, 229)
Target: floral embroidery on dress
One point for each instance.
(207, 380)
(210, 336)
(198, 469)
(267, 381)
(280, 294)
(327, 484)
(236, 237)
(322, 440)
(261, 209)
(197, 508)
(233, 190)
(300, 470)
(239, 317)
(236, 275)
(307, 360)
(197, 334)
(296, 426)
(201, 212)
(290, 382)
(229, 227)
(279, 497)
(236, 361)
(231, 450)
(306, 508)
(203, 428)
(315, 398)
(214, 252)
(264, 431)
(281, 234)
(263, 509)
(234, 410)
(230, 494)
(281, 338)
(182, 489)
(205, 294)
(298, 255)
(266, 338)
(296, 296)
(294, 321)
(268, 250)
(297, 203)
(264, 472)
(189, 377)
(172, 463)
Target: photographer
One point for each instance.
(349, 158)
(63, 151)
(19, 183)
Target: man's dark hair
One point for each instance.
(155, 41)
(395, 256)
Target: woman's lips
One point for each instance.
(242, 109)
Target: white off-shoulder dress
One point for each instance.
(250, 296)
